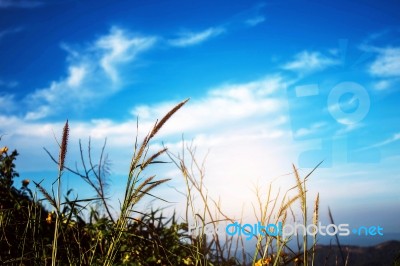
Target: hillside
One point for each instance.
(382, 254)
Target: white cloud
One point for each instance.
(306, 62)
(76, 75)
(7, 103)
(224, 105)
(119, 48)
(20, 4)
(231, 112)
(39, 113)
(313, 129)
(387, 63)
(349, 127)
(382, 85)
(93, 74)
(242, 125)
(193, 38)
(255, 21)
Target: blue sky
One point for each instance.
(271, 83)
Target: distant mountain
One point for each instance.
(387, 253)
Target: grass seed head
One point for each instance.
(63, 148)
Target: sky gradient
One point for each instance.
(270, 84)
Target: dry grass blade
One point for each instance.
(337, 238)
(302, 193)
(46, 195)
(315, 222)
(312, 171)
(145, 190)
(135, 191)
(153, 185)
(299, 183)
(316, 210)
(157, 126)
(287, 205)
(152, 158)
(166, 117)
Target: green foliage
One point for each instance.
(22, 232)
(28, 230)
(7, 167)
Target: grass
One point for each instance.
(89, 232)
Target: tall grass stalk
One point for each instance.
(315, 222)
(301, 186)
(61, 162)
(207, 211)
(136, 188)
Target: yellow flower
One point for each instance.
(70, 224)
(188, 261)
(48, 219)
(263, 262)
(126, 259)
(3, 150)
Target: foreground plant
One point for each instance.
(136, 188)
(202, 211)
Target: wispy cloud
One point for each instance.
(382, 85)
(349, 127)
(348, 103)
(39, 112)
(386, 84)
(255, 21)
(385, 67)
(118, 47)
(8, 84)
(387, 63)
(93, 73)
(193, 38)
(395, 137)
(307, 62)
(315, 128)
(7, 103)
(20, 4)
(247, 18)
(6, 32)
